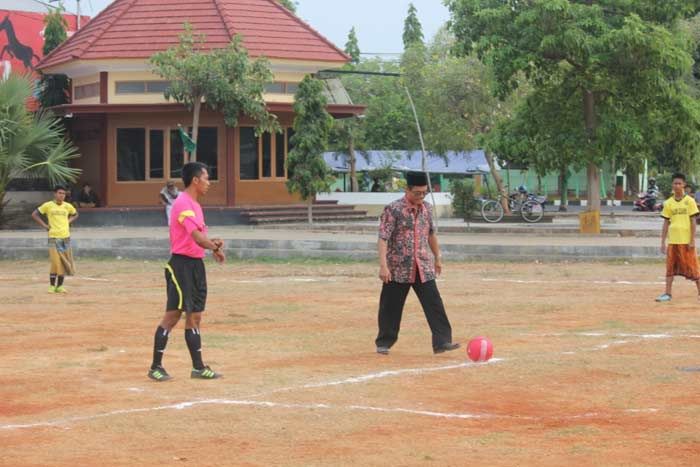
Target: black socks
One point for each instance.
(194, 344)
(159, 342)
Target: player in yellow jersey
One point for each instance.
(679, 214)
(60, 216)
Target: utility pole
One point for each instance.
(424, 159)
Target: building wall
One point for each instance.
(158, 98)
(228, 190)
(145, 193)
(81, 81)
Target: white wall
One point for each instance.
(374, 203)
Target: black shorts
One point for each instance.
(186, 282)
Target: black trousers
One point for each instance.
(391, 303)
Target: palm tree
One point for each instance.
(31, 144)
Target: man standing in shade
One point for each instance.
(409, 257)
(185, 275)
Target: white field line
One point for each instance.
(651, 336)
(315, 406)
(573, 281)
(373, 376)
(278, 280)
(340, 382)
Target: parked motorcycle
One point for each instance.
(647, 203)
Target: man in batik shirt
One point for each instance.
(409, 257)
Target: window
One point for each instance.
(141, 87)
(177, 154)
(87, 90)
(131, 154)
(279, 87)
(156, 145)
(264, 157)
(157, 87)
(208, 150)
(131, 87)
(274, 88)
(280, 156)
(249, 154)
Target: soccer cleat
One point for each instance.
(382, 350)
(61, 289)
(663, 298)
(52, 289)
(159, 374)
(205, 373)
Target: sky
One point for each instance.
(379, 23)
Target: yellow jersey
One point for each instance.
(680, 214)
(58, 214)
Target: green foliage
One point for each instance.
(31, 144)
(54, 88)
(308, 172)
(55, 27)
(665, 183)
(464, 203)
(412, 29)
(388, 123)
(629, 56)
(290, 5)
(226, 79)
(352, 47)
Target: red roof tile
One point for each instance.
(139, 28)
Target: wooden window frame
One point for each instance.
(273, 159)
(166, 129)
(145, 83)
(94, 87)
(285, 89)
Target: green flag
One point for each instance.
(189, 145)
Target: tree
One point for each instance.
(352, 47)
(226, 79)
(31, 144)
(54, 88)
(348, 137)
(412, 29)
(290, 5)
(620, 61)
(308, 172)
(388, 122)
(455, 100)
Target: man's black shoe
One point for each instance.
(446, 348)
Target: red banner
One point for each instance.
(22, 39)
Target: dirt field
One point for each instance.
(588, 369)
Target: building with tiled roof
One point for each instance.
(126, 129)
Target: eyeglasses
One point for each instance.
(420, 194)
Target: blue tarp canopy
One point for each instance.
(403, 161)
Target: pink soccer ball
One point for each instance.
(480, 349)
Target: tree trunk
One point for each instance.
(593, 187)
(564, 189)
(195, 129)
(3, 204)
(354, 186)
(498, 180)
(310, 210)
(632, 180)
(593, 170)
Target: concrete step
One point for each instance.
(301, 212)
(302, 219)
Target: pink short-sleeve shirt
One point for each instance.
(186, 217)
